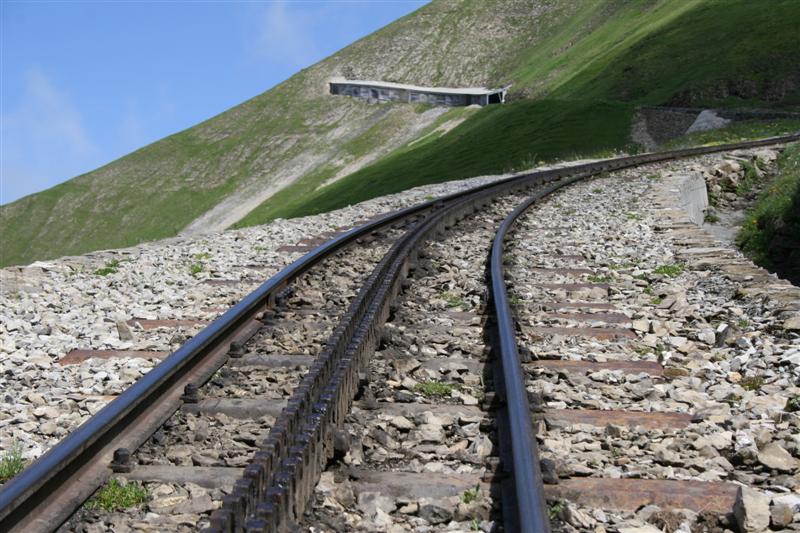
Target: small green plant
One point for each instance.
(671, 271)
(554, 509)
(475, 525)
(597, 190)
(752, 383)
(656, 300)
(743, 323)
(598, 278)
(432, 389)
(632, 216)
(109, 268)
(515, 300)
(114, 495)
(202, 255)
(470, 495)
(713, 199)
(711, 217)
(792, 404)
(654, 177)
(642, 350)
(453, 300)
(195, 269)
(732, 399)
(428, 198)
(11, 463)
(648, 290)
(748, 181)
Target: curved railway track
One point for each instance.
(279, 480)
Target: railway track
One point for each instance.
(278, 481)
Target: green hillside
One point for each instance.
(499, 139)
(680, 53)
(578, 68)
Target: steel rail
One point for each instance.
(27, 495)
(531, 509)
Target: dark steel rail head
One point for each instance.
(68, 454)
(531, 507)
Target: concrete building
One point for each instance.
(385, 91)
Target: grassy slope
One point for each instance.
(155, 191)
(687, 52)
(702, 53)
(501, 138)
(771, 232)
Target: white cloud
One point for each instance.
(43, 139)
(286, 35)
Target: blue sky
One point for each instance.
(84, 83)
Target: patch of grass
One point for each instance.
(770, 234)
(749, 179)
(202, 255)
(671, 271)
(597, 190)
(732, 399)
(792, 404)
(554, 509)
(598, 278)
(657, 300)
(752, 383)
(452, 299)
(470, 495)
(114, 495)
(432, 389)
(195, 268)
(515, 301)
(743, 323)
(633, 216)
(642, 350)
(109, 268)
(11, 463)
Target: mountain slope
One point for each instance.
(247, 152)
(325, 149)
(734, 53)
